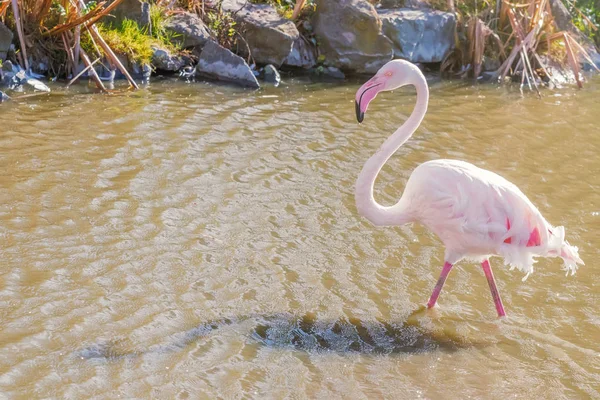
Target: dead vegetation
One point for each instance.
(523, 37)
(52, 30)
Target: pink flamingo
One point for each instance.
(476, 213)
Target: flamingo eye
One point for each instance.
(388, 74)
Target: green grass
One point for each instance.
(131, 39)
(591, 13)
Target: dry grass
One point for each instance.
(527, 32)
(51, 30)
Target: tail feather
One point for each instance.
(523, 258)
(570, 255)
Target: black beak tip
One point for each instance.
(359, 115)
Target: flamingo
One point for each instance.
(474, 212)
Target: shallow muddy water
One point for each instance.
(199, 241)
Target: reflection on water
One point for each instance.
(199, 241)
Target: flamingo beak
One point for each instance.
(365, 95)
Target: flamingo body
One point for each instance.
(476, 213)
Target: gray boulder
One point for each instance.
(135, 10)
(163, 60)
(327, 73)
(15, 78)
(6, 37)
(269, 36)
(419, 35)
(349, 32)
(219, 63)
(405, 4)
(189, 29)
(302, 54)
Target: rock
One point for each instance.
(3, 97)
(419, 35)
(417, 4)
(269, 36)
(564, 22)
(350, 37)
(271, 75)
(562, 17)
(130, 9)
(6, 37)
(37, 85)
(490, 64)
(392, 3)
(560, 74)
(163, 60)
(190, 29)
(219, 63)
(145, 18)
(302, 55)
(16, 78)
(328, 72)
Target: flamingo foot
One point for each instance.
(487, 270)
(439, 285)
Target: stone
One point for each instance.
(163, 60)
(418, 4)
(419, 35)
(392, 3)
(16, 78)
(130, 9)
(189, 29)
(3, 97)
(328, 72)
(6, 37)
(219, 63)
(490, 64)
(302, 54)
(350, 37)
(562, 17)
(269, 36)
(145, 18)
(271, 75)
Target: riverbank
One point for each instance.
(250, 43)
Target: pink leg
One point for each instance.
(487, 270)
(439, 285)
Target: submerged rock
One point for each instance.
(219, 63)
(6, 37)
(268, 35)
(419, 4)
(328, 72)
(350, 36)
(271, 75)
(302, 54)
(15, 78)
(419, 35)
(163, 60)
(189, 29)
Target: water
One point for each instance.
(199, 241)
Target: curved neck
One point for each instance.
(365, 202)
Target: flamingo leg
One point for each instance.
(487, 270)
(439, 285)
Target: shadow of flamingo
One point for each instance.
(307, 333)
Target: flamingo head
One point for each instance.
(392, 75)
